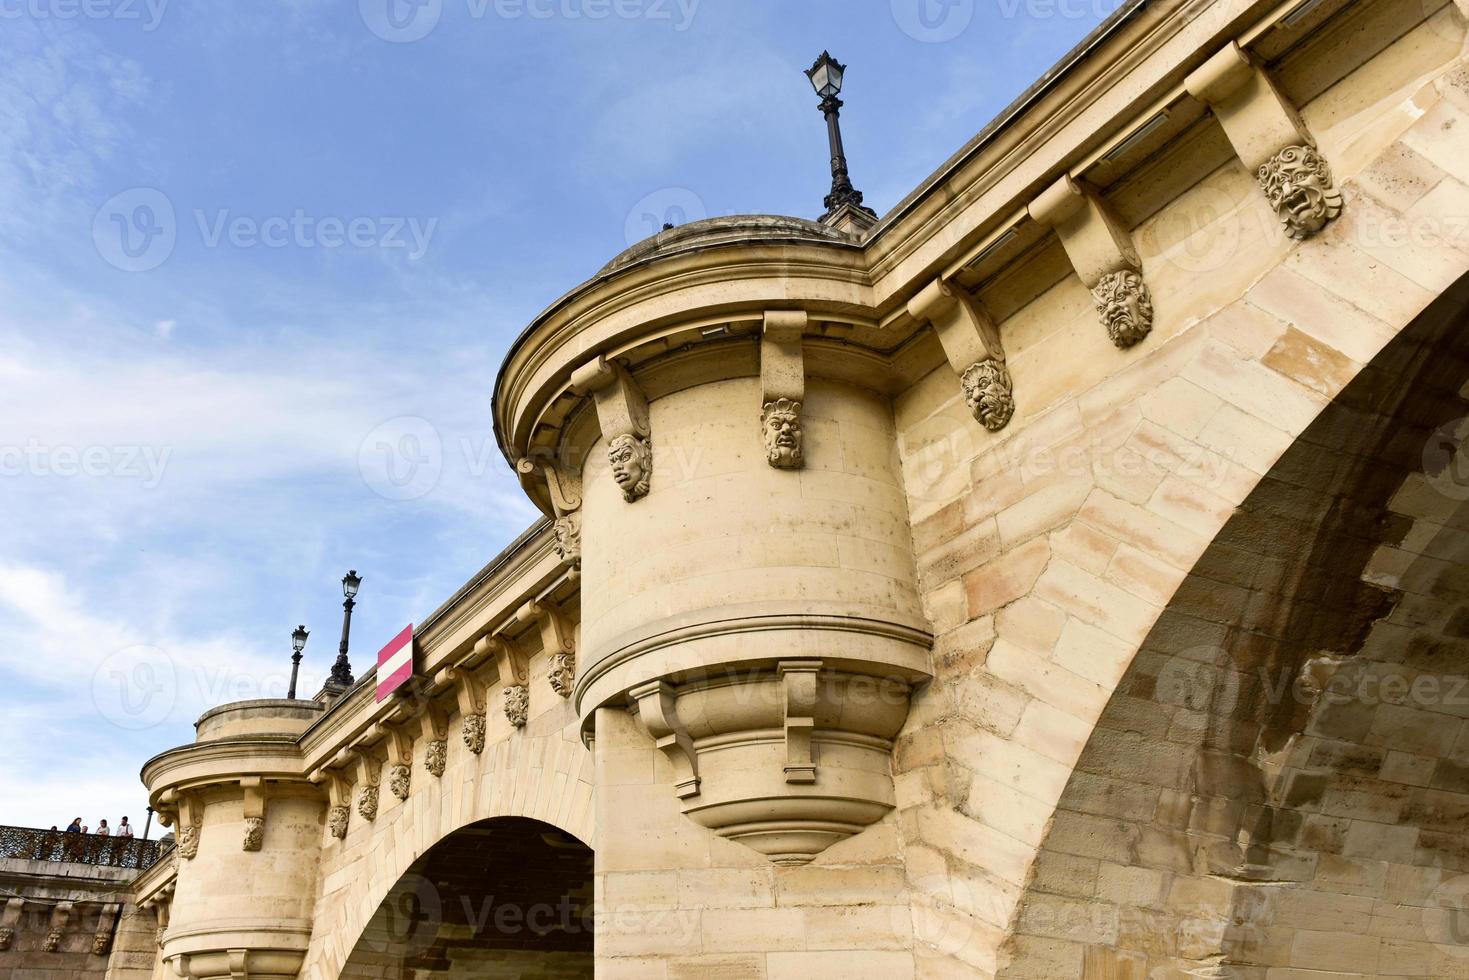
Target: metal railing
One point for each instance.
(30, 844)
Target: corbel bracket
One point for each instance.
(566, 498)
(102, 938)
(1270, 139)
(622, 413)
(799, 678)
(434, 728)
(369, 773)
(514, 671)
(400, 760)
(191, 825)
(253, 788)
(558, 640)
(657, 710)
(971, 343)
(339, 799)
(1102, 253)
(469, 690)
(783, 387)
(59, 916)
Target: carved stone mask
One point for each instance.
(1125, 305)
(632, 465)
(1297, 182)
(989, 393)
(781, 427)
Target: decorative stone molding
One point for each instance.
(990, 393)
(517, 704)
(434, 730)
(1102, 252)
(102, 940)
(254, 812)
(8, 920)
(188, 843)
(400, 781)
(470, 692)
(59, 916)
(400, 760)
(832, 779)
(562, 673)
(568, 538)
(1297, 183)
(656, 702)
(190, 819)
(564, 492)
(1270, 138)
(339, 798)
(971, 344)
(511, 663)
(631, 457)
(783, 387)
(1126, 307)
(558, 641)
(254, 833)
(336, 821)
(436, 755)
(367, 803)
(780, 425)
(622, 411)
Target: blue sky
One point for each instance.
(259, 262)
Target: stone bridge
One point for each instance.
(1063, 576)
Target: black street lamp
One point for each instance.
(298, 643)
(342, 670)
(826, 78)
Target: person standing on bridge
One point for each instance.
(124, 829)
(75, 827)
(102, 829)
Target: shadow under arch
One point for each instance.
(1281, 779)
(505, 897)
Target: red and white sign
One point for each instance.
(395, 663)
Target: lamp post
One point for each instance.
(148, 824)
(826, 79)
(342, 670)
(298, 643)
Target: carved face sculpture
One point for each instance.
(989, 393)
(781, 426)
(632, 465)
(568, 538)
(1125, 305)
(1297, 182)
